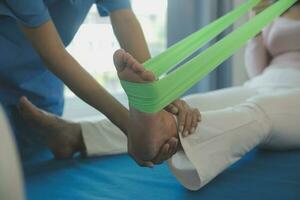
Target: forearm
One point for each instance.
(89, 90)
(129, 33)
(47, 43)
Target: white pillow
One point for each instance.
(11, 177)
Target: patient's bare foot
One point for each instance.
(146, 132)
(63, 138)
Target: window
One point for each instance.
(94, 45)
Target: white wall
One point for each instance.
(239, 72)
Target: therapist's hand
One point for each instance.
(165, 153)
(187, 117)
(261, 6)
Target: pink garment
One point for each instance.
(277, 46)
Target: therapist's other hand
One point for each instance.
(261, 6)
(187, 117)
(165, 153)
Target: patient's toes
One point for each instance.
(137, 68)
(119, 59)
(148, 76)
(129, 60)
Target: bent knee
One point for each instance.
(278, 102)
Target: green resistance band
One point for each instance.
(153, 97)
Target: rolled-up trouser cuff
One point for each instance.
(222, 138)
(103, 138)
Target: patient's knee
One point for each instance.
(278, 102)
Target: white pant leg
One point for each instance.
(225, 135)
(282, 106)
(210, 104)
(103, 138)
(219, 99)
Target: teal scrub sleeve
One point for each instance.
(30, 13)
(107, 6)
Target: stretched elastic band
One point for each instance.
(153, 97)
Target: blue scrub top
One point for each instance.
(22, 72)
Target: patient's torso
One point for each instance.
(282, 39)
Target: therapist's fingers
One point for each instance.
(185, 116)
(181, 118)
(143, 163)
(175, 148)
(196, 119)
(188, 123)
(162, 155)
(138, 161)
(167, 153)
(171, 108)
(146, 164)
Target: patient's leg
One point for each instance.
(147, 132)
(63, 138)
(268, 119)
